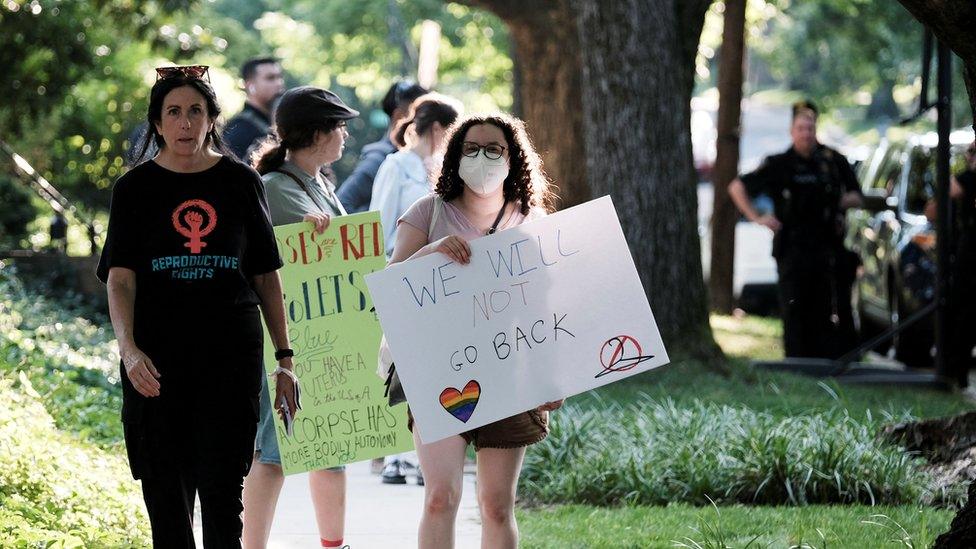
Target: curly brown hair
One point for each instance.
(526, 181)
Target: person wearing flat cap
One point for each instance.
(309, 133)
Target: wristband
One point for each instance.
(282, 354)
(294, 378)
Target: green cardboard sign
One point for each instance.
(335, 334)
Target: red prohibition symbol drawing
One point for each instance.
(189, 220)
(620, 354)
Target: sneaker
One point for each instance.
(393, 473)
(420, 477)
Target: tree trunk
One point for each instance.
(949, 446)
(606, 92)
(638, 62)
(547, 73)
(724, 214)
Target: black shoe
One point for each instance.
(393, 473)
(420, 477)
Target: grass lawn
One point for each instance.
(777, 393)
(854, 526)
(774, 392)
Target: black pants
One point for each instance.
(815, 297)
(197, 437)
(210, 461)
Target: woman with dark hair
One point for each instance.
(189, 258)
(309, 134)
(404, 177)
(491, 180)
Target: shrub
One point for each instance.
(71, 361)
(55, 488)
(658, 453)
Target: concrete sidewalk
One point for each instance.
(378, 516)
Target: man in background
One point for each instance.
(263, 83)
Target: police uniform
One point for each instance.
(815, 271)
(962, 307)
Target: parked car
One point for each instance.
(896, 241)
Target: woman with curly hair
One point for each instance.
(491, 180)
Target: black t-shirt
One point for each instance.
(806, 194)
(194, 240)
(245, 129)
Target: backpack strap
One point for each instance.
(304, 187)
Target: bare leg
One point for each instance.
(498, 472)
(329, 499)
(261, 489)
(443, 465)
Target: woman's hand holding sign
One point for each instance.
(320, 220)
(550, 406)
(454, 247)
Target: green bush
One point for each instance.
(56, 490)
(655, 453)
(58, 382)
(72, 362)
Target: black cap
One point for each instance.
(308, 102)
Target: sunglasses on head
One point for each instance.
(198, 72)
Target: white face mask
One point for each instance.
(481, 175)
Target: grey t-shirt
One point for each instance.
(289, 203)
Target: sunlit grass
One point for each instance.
(811, 527)
(749, 336)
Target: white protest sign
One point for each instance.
(543, 311)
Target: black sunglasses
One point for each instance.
(493, 151)
(198, 72)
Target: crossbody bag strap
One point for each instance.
(435, 215)
(304, 188)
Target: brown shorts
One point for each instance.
(512, 432)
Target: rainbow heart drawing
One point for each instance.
(461, 404)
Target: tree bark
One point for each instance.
(952, 21)
(547, 74)
(949, 446)
(724, 214)
(605, 92)
(638, 62)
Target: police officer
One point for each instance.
(811, 185)
(962, 306)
